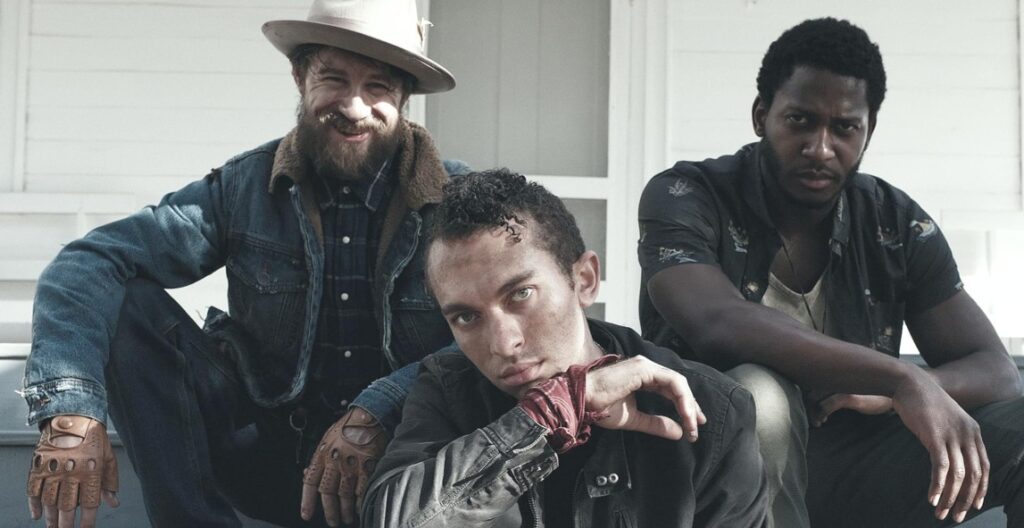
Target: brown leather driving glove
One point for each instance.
(347, 455)
(69, 476)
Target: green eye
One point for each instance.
(522, 294)
(464, 318)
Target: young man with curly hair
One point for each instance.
(542, 417)
(788, 268)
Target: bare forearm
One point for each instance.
(750, 333)
(980, 378)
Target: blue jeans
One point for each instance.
(200, 447)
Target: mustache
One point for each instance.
(337, 121)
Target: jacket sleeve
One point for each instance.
(384, 397)
(432, 475)
(735, 492)
(79, 295)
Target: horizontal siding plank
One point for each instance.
(161, 90)
(135, 125)
(126, 159)
(921, 10)
(154, 20)
(943, 36)
(208, 55)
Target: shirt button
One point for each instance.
(601, 480)
(345, 240)
(613, 478)
(344, 296)
(343, 403)
(346, 189)
(347, 354)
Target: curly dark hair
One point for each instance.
(829, 44)
(502, 198)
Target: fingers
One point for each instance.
(979, 501)
(66, 518)
(50, 514)
(110, 498)
(68, 498)
(89, 517)
(35, 507)
(674, 386)
(347, 497)
(364, 481)
(972, 481)
(110, 481)
(310, 481)
(828, 406)
(940, 467)
(331, 508)
(954, 480)
(329, 494)
(662, 426)
(308, 505)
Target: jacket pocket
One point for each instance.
(267, 294)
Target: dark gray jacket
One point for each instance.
(465, 455)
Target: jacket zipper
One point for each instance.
(531, 501)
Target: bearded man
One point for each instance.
(320, 234)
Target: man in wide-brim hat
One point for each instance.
(269, 410)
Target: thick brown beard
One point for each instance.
(338, 160)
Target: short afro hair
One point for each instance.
(828, 44)
(501, 198)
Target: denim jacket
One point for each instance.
(257, 217)
(466, 455)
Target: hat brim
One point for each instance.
(286, 35)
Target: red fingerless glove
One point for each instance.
(560, 405)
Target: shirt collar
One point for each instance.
(753, 190)
(370, 191)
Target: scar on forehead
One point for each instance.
(513, 227)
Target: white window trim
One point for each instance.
(14, 44)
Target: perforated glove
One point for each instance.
(342, 465)
(73, 466)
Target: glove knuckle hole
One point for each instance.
(69, 465)
(53, 465)
(38, 461)
(92, 463)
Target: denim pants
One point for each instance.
(200, 447)
(868, 471)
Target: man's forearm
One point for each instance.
(979, 378)
(749, 333)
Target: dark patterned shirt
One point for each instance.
(346, 354)
(887, 257)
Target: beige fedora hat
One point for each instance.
(385, 30)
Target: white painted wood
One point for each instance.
(235, 126)
(129, 159)
(56, 203)
(14, 29)
(1020, 81)
(208, 54)
(163, 90)
(14, 350)
(157, 20)
(984, 220)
